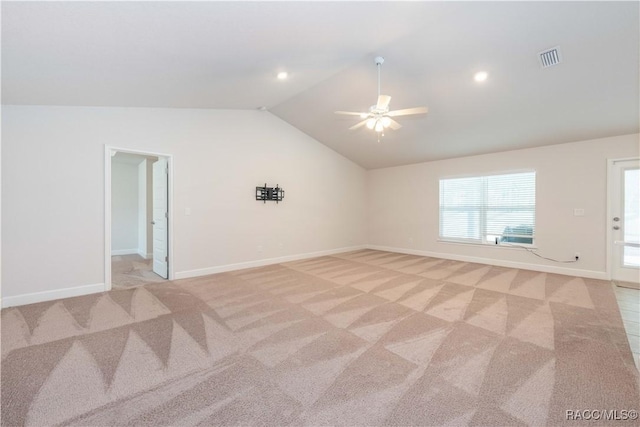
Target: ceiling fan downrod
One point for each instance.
(377, 121)
(379, 61)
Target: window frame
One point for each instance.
(483, 208)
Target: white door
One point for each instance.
(625, 220)
(160, 218)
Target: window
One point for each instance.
(486, 209)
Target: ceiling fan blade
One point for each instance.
(349, 113)
(394, 125)
(358, 125)
(383, 102)
(408, 111)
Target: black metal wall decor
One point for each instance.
(269, 193)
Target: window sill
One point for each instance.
(490, 245)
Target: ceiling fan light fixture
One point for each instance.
(371, 123)
(379, 118)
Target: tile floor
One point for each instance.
(629, 304)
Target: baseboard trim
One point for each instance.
(262, 262)
(144, 255)
(124, 252)
(51, 295)
(589, 274)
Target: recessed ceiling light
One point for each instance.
(282, 75)
(480, 76)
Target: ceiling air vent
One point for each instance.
(550, 57)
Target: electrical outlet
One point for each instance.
(259, 248)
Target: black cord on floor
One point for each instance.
(533, 251)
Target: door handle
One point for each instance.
(616, 227)
(153, 222)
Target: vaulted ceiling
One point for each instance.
(227, 54)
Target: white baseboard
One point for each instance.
(590, 274)
(261, 262)
(144, 255)
(51, 295)
(124, 251)
(11, 301)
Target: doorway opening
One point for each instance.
(138, 233)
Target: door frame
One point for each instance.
(609, 219)
(109, 151)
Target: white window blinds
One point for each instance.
(485, 208)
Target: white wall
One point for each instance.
(124, 207)
(53, 195)
(53, 190)
(403, 204)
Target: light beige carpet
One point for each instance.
(132, 270)
(363, 338)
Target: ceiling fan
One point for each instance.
(379, 118)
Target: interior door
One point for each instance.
(160, 218)
(625, 221)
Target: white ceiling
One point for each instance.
(226, 55)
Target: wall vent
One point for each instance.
(550, 57)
